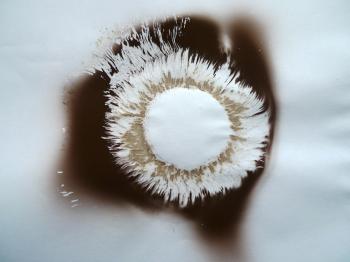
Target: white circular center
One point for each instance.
(186, 127)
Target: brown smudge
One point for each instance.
(219, 218)
(88, 166)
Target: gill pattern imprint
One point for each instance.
(138, 73)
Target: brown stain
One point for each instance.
(251, 58)
(89, 166)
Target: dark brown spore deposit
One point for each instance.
(89, 167)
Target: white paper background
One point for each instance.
(300, 209)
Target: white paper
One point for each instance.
(299, 210)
